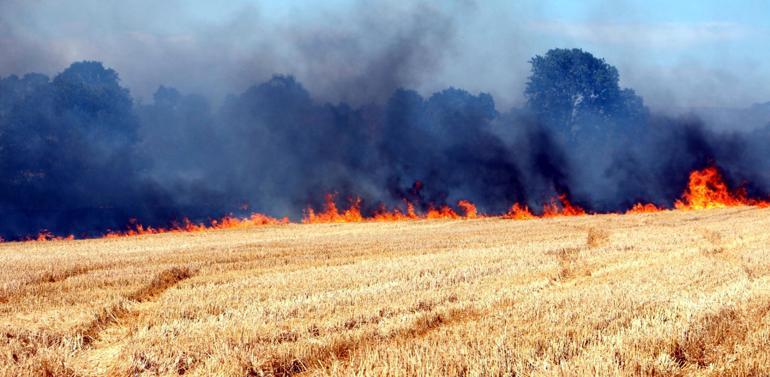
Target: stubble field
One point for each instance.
(668, 293)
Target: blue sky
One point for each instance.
(674, 53)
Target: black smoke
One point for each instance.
(78, 155)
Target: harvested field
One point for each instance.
(667, 293)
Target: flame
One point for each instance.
(256, 219)
(332, 215)
(562, 208)
(706, 189)
(644, 208)
(444, 212)
(45, 235)
(559, 206)
(518, 212)
(447, 213)
(469, 209)
(383, 215)
(227, 222)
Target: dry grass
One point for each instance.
(671, 293)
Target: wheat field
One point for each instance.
(660, 294)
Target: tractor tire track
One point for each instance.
(83, 337)
(288, 365)
(108, 316)
(119, 314)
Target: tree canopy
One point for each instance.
(573, 91)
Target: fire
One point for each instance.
(644, 208)
(518, 212)
(559, 206)
(383, 215)
(562, 208)
(332, 214)
(45, 235)
(706, 189)
(444, 212)
(469, 209)
(227, 222)
(256, 219)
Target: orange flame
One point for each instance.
(444, 212)
(644, 208)
(45, 235)
(563, 208)
(469, 209)
(227, 222)
(518, 212)
(383, 215)
(331, 214)
(706, 189)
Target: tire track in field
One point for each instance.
(163, 281)
(120, 315)
(288, 365)
(82, 337)
(22, 288)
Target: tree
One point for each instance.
(68, 145)
(89, 97)
(571, 90)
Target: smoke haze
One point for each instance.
(252, 108)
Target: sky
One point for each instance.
(676, 54)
